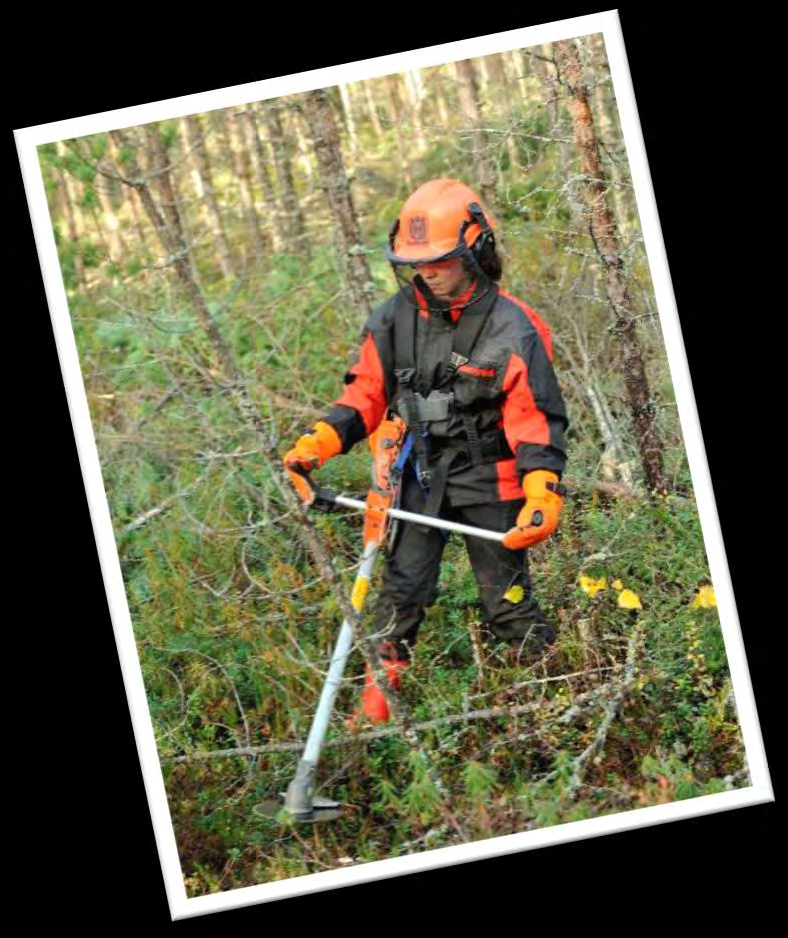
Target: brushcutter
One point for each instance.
(299, 802)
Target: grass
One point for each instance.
(234, 627)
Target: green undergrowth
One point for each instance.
(632, 705)
(247, 672)
(235, 624)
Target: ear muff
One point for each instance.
(484, 246)
(393, 233)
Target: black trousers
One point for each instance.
(410, 576)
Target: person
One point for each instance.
(469, 369)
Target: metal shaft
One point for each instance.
(299, 798)
(334, 678)
(424, 519)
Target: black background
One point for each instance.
(85, 838)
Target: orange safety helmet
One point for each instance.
(443, 218)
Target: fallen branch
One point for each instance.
(492, 713)
(611, 708)
(159, 509)
(547, 680)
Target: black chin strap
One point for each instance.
(434, 305)
(445, 307)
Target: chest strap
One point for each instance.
(418, 409)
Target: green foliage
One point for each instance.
(421, 798)
(479, 781)
(234, 626)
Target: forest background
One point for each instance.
(689, 564)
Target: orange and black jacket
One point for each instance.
(507, 389)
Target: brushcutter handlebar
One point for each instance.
(326, 499)
(323, 499)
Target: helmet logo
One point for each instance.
(417, 229)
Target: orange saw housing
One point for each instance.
(385, 443)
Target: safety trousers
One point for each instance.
(410, 577)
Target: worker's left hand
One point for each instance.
(311, 451)
(538, 518)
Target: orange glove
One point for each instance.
(539, 516)
(311, 451)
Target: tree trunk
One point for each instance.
(110, 220)
(543, 63)
(163, 183)
(194, 138)
(605, 114)
(350, 120)
(292, 217)
(483, 162)
(295, 130)
(519, 70)
(437, 77)
(605, 236)
(499, 92)
(241, 163)
(415, 88)
(502, 96)
(259, 159)
(98, 228)
(134, 203)
(395, 104)
(74, 222)
(323, 129)
(139, 227)
(372, 108)
(221, 135)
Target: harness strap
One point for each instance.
(433, 475)
(474, 443)
(405, 378)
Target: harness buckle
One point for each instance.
(405, 376)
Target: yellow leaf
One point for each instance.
(514, 594)
(591, 586)
(617, 585)
(629, 600)
(705, 598)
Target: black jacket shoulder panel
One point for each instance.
(512, 325)
(381, 318)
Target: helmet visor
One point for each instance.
(407, 272)
(419, 256)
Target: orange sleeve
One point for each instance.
(534, 416)
(523, 422)
(363, 403)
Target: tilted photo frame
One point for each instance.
(670, 785)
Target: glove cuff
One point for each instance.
(538, 482)
(328, 441)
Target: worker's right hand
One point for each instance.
(538, 517)
(311, 451)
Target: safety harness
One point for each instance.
(419, 412)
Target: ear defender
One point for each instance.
(393, 233)
(484, 246)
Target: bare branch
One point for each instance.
(611, 709)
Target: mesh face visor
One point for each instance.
(407, 271)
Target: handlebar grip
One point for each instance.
(325, 499)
